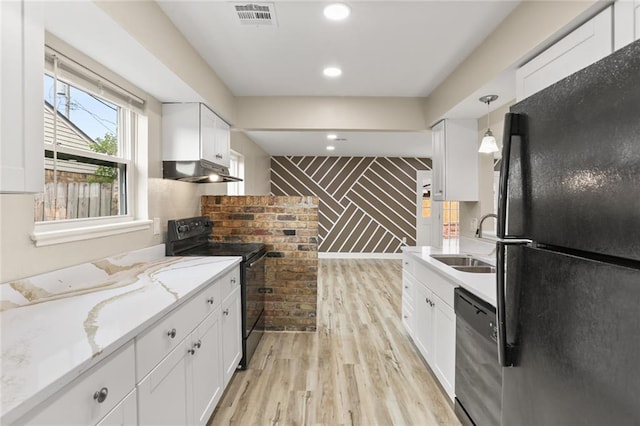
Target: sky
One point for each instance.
(94, 117)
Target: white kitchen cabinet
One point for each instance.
(124, 414)
(424, 322)
(164, 395)
(191, 131)
(184, 386)
(587, 44)
(434, 326)
(455, 160)
(231, 334)
(408, 295)
(21, 107)
(92, 396)
(626, 22)
(207, 367)
(444, 336)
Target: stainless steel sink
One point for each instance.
(464, 261)
(476, 269)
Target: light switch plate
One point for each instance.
(156, 226)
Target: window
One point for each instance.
(450, 220)
(90, 139)
(236, 168)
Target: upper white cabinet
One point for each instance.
(21, 108)
(191, 131)
(626, 22)
(455, 160)
(587, 44)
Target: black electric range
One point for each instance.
(190, 237)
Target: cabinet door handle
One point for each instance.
(219, 156)
(101, 395)
(233, 280)
(226, 312)
(172, 333)
(210, 300)
(198, 344)
(406, 286)
(191, 351)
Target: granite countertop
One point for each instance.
(57, 325)
(481, 285)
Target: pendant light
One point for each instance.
(488, 144)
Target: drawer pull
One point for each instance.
(226, 312)
(101, 395)
(172, 333)
(406, 286)
(210, 300)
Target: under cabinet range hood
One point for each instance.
(199, 171)
(195, 144)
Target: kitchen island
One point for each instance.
(59, 325)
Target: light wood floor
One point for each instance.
(359, 368)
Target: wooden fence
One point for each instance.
(72, 200)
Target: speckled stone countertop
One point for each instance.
(57, 325)
(482, 285)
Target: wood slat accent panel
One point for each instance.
(366, 204)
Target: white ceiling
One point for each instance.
(385, 48)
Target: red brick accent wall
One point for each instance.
(289, 228)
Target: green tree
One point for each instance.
(106, 145)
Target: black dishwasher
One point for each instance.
(478, 374)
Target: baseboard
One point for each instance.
(336, 255)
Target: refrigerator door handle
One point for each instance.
(506, 351)
(513, 126)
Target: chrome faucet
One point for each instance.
(482, 219)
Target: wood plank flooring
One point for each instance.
(359, 368)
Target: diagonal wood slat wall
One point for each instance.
(367, 204)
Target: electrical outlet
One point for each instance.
(156, 226)
(474, 223)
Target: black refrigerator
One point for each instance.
(568, 279)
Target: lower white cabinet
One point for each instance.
(186, 385)
(231, 334)
(434, 321)
(124, 414)
(93, 395)
(172, 373)
(206, 368)
(164, 394)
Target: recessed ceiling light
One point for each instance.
(330, 148)
(337, 11)
(332, 137)
(332, 72)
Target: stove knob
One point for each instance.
(183, 228)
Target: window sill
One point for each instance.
(44, 235)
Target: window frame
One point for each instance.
(131, 139)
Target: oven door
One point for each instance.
(253, 306)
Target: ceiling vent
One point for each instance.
(263, 14)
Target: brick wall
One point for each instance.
(289, 228)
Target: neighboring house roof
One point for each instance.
(68, 134)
